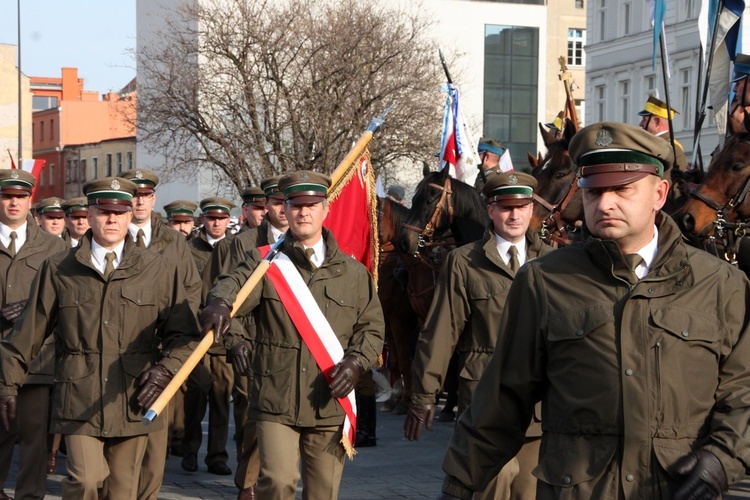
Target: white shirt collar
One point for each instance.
(98, 252)
(133, 230)
(212, 241)
(648, 254)
(20, 235)
(504, 245)
(320, 252)
(276, 233)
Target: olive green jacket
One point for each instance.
(16, 276)
(287, 385)
(172, 245)
(106, 334)
(631, 377)
(464, 316)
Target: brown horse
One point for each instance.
(405, 301)
(717, 215)
(558, 201)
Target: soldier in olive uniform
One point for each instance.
(107, 304)
(299, 419)
(636, 344)
(253, 207)
(181, 216)
(76, 220)
(148, 231)
(225, 258)
(210, 383)
(490, 151)
(51, 215)
(23, 247)
(464, 315)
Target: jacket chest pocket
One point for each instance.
(76, 387)
(79, 310)
(273, 371)
(35, 261)
(483, 294)
(340, 307)
(138, 309)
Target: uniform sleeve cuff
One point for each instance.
(453, 486)
(423, 399)
(8, 390)
(733, 468)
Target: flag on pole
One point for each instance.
(506, 163)
(34, 167)
(353, 213)
(379, 189)
(12, 163)
(457, 147)
(657, 9)
(727, 27)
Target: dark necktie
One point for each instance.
(110, 267)
(310, 252)
(633, 260)
(513, 258)
(12, 246)
(140, 239)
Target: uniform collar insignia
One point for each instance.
(603, 138)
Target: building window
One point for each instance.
(69, 171)
(52, 129)
(511, 87)
(625, 101)
(41, 130)
(83, 170)
(579, 4)
(649, 85)
(626, 18)
(95, 168)
(119, 163)
(52, 174)
(686, 98)
(689, 10)
(575, 47)
(601, 16)
(600, 94)
(109, 165)
(130, 160)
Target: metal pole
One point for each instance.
(663, 46)
(20, 115)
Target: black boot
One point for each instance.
(366, 420)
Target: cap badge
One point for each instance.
(304, 177)
(138, 174)
(14, 175)
(512, 179)
(603, 138)
(115, 184)
(181, 206)
(56, 204)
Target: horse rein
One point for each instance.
(559, 234)
(730, 233)
(425, 235)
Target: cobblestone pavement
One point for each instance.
(394, 469)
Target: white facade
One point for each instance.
(460, 28)
(619, 73)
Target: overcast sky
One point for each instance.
(95, 36)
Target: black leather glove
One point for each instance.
(239, 357)
(418, 416)
(704, 475)
(151, 383)
(216, 316)
(7, 411)
(12, 311)
(345, 376)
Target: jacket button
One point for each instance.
(338, 271)
(579, 333)
(138, 301)
(651, 290)
(104, 433)
(106, 379)
(304, 370)
(685, 333)
(566, 480)
(489, 295)
(628, 372)
(105, 321)
(629, 478)
(75, 302)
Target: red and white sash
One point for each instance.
(315, 331)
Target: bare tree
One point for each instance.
(260, 87)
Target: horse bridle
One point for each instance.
(554, 217)
(730, 233)
(445, 202)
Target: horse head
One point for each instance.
(555, 176)
(723, 194)
(391, 216)
(441, 203)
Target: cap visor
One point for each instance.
(305, 200)
(511, 202)
(610, 179)
(112, 207)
